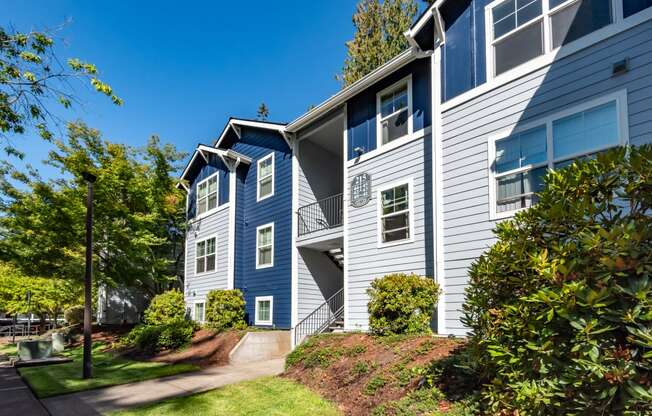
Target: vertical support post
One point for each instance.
(87, 364)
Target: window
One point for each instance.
(631, 7)
(519, 28)
(265, 246)
(520, 160)
(205, 255)
(394, 112)
(264, 310)
(199, 312)
(395, 215)
(207, 194)
(265, 177)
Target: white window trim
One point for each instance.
(379, 212)
(258, 178)
(195, 258)
(379, 133)
(194, 305)
(260, 227)
(217, 195)
(271, 310)
(593, 37)
(619, 25)
(620, 97)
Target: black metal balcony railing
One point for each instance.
(320, 215)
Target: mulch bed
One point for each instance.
(206, 350)
(388, 360)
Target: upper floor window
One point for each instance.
(521, 30)
(207, 194)
(394, 111)
(265, 246)
(205, 255)
(265, 177)
(395, 214)
(631, 7)
(521, 159)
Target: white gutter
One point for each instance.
(363, 83)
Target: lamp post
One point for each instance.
(87, 367)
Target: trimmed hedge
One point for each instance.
(165, 308)
(561, 306)
(74, 315)
(225, 309)
(154, 338)
(402, 304)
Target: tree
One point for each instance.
(31, 78)
(48, 296)
(379, 29)
(139, 214)
(263, 112)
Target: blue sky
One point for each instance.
(183, 68)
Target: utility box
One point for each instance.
(58, 342)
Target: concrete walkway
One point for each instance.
(15, 397)
(110, 399)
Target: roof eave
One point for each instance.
(341, 97)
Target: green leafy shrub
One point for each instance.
(151, 339)
(225, 309)
(561, 306)
(376, 383)
(165, 308)
(402, 304)
(74, 315)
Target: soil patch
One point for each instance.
(207, 349)
(359, 372)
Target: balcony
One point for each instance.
(322, 215)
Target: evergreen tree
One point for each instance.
(263, 112)
(379, 29)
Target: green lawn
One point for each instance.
(265, 397)
(108, 370)
(8, 349)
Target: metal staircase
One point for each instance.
(337, 256)
(328, 317)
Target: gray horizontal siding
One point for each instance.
(466, 128)
(366, 261)
(215, 224)
(319, 279)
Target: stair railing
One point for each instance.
(321, 318)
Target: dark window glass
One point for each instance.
(579, 19)
(511, 14)
(519, 48)
(631, 7)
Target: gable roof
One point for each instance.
(201, 150)
(235, 124)
(424, 19)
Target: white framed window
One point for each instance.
(264, 310)
(518, 31)
(265, 177)
(265, 246)
(205, 255)
(394, 112)
(207, 199)
(520, 158)
(395, 213)
(199, 312)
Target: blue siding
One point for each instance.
(203, 171)
(361, 109)
(464, 56)
(274, 281)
